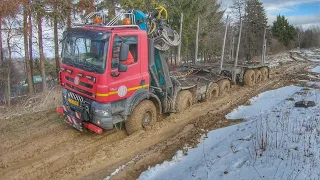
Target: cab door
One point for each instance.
(122, 85)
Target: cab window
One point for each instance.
(132, 41)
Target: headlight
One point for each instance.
(64, 93)
(101, 112)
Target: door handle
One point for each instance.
(114, 74)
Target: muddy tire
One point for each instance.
(258, 76)
(212, 92)
(143, 115)
(224, 86)
(184, 100)
(249, 78)
(264, 74)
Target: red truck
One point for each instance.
(101, 89)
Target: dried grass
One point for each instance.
(39, 102)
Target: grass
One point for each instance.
(290, 99)
(39, 102)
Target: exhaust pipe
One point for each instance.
(93, 128)
(60, 110)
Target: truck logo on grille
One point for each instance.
(76, 80)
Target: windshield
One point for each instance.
(86, 51)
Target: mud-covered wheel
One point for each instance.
(212, 92)
(249, 77)
(184, 100)
(144, 114)
(264, 73)
(224, 86)
(258, 76)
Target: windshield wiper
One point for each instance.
(90, 66)
(68, 61)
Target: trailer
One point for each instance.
(245, 73)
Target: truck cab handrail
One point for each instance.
(112, 23)
(99, 25)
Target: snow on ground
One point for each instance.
(277, 141)
(312, 84)
(312, 55)
(277, 59)
(263, 102)
(316, 69)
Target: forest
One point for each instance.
(30, 34)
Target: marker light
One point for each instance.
(126, 21)
(97, 20)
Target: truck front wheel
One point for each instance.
(143, 115)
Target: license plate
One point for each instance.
(74, 102)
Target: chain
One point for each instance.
(190, 71)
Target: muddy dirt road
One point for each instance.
(42, 146)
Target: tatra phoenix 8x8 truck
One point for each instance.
(115, 71)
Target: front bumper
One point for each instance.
(80, 111)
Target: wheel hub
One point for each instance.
(147, 118)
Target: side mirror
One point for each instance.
(124, 50)
(122, 67)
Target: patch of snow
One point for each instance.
(263, 102)
(313, 76)
(159, 167)
(316, 69)
(283, 142)
(277, 59)
(121, 168)
(313, 84)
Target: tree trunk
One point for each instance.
(55, 37)
(171, 59)
(26, 52)
(8, 84)
(30, 42)
(1, 50)
(42, 65)
(69, 20)
(112, 9)
(9, 70)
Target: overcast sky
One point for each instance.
(298, 12)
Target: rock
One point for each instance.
(305, 104)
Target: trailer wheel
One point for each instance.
(258, 76)
(212, 92)
(264, 73)
(184, 100)
(224, 86)
(143, 115)
(249, 77)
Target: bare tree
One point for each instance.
(26, 7)
(238, 9)
(8, 10)
(30, 39)
(9, 37)
(40, 12)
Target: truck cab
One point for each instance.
(98, 86)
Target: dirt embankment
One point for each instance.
(42, 146)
